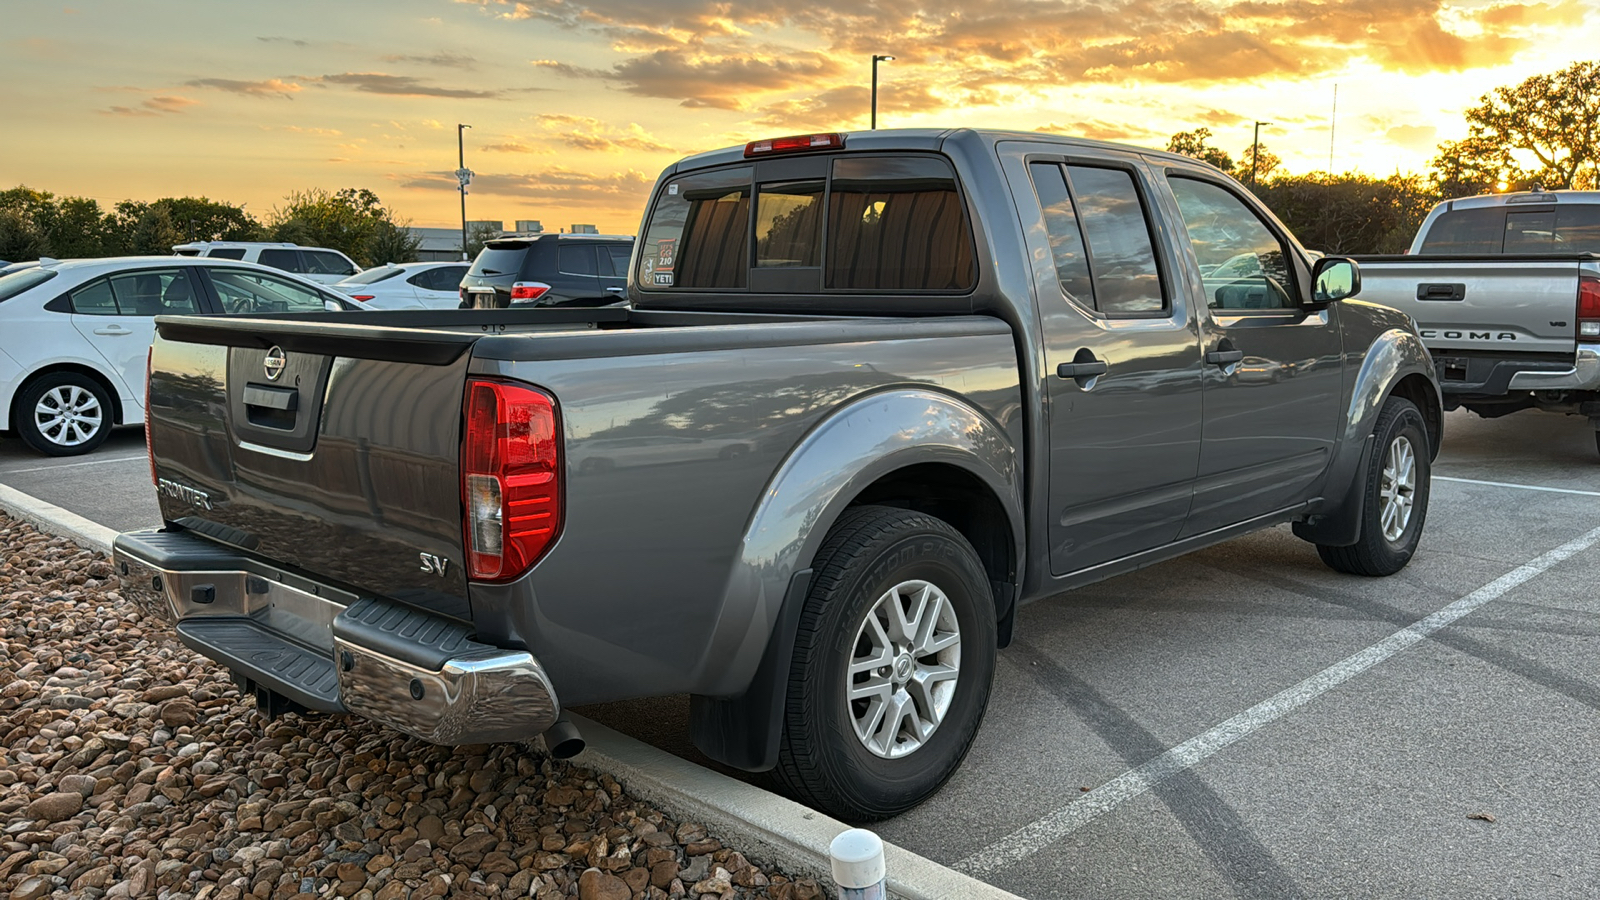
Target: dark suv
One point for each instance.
(549, 270)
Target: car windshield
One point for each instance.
(373, 276)
(15, 283)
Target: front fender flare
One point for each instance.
(747, 660)
(1393, 355)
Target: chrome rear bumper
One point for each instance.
(329, 650)
(1583, 376)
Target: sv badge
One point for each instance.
(434, 565)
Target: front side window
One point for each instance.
(897, 223)
(699, 233)
(1243, 265)
(252, 293)
(1122, 255)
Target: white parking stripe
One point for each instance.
(1041, 833)
(90, 462)
(1525, 487)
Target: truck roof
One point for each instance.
(1516, 197)
(930, 139)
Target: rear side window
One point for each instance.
(154, 293)
(326, 262)
(15, 283)
(287, 260)
(1066, 238)
(500, 259)
(1126, 279)
(576, 259)
(1466, 231)
(699, 233)
(620, 255)
(95, 299)
(897, 223)
(226, 253)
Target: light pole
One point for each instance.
(1255, 151)
(875, 60)
(463, 175)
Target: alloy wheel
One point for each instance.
(904, 668)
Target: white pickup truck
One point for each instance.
(1505, 291)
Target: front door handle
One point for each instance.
(112, 329)
(1221, 357)
(1081, 369)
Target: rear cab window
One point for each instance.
(857, 224)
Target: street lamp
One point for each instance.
(1255, 151)
(464, 176)
(875, 60)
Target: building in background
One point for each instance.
(585, 229)
(529, 226)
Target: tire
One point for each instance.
(1379, 552)
(877, 559)
(63, 414)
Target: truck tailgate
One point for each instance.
(1525, 305)
(330, 449)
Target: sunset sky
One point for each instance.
(577, 104)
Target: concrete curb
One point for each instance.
(52, 518)
(767, 827)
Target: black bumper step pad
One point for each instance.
(405, 633)
(304, 676)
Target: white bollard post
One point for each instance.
(858, 867)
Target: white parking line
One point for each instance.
(90, 462)
(1034, 837)
(1525, 487)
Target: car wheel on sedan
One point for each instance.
(64, 414)
(892, 665)
(1395, 504)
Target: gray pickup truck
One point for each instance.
(1505, 291)
(872, 392)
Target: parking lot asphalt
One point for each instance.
(1245, 722)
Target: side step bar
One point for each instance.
(327, 649)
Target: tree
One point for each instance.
(141, 229)
(1554, 118)
(477, 236)
(1257, 163)
(1349, 213)
(202, 219)
(1193, 144)
(351, 220)
(21, 238)
(393, 242)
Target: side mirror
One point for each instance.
(1334, 278)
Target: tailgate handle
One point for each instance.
(285, 399)
(1441, 292)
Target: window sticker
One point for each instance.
(672, 190)
(659, 268)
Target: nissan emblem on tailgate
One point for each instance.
(274, 363)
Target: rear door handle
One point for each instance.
(1081, 369)
(616, 290)
(112, 329)
(1224, 357)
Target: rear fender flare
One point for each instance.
(1392, 356)
(856, 445)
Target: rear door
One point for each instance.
(1122, 373)
(1273, 369)
(576, 279)
(116, 313)
(614, 257)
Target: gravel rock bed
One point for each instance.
(131, 767)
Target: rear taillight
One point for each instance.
(362, 297)
(528, 290)
(149, 360)
(510, 478)
(1588, 307)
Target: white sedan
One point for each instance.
(422, 285)
(75, 335)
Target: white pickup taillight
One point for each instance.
(528, 291)
(1588, 308)
(510, 478)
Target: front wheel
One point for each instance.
(892, 665)
(1396, 495)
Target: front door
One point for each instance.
(1273, 378)
(1122, 373)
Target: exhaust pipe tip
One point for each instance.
(563, 740)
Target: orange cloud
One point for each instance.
(271, 87)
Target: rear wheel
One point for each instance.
(893, 662)
(1396, 498)
(64, 414)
